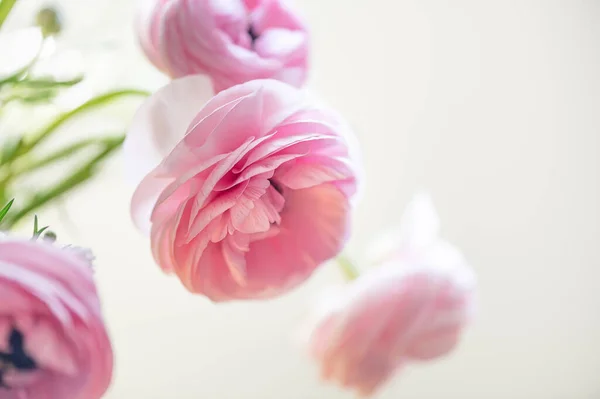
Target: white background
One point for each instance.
(493, 106)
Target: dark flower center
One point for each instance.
(276, 186)
(16, 357)
(253, 34)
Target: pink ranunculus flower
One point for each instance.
(411, 307)
(53, 342)
(231, 41)
(246, 196)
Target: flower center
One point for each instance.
(16, 358)
(253, 34)
(276, 186)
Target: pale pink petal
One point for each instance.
(234, 250)
(313, 226)
(159, 124)
(214, 209)
(276, 14)
(280, 42)
(314, 170)
(49, 349)
(147, 32)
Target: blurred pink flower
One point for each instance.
(231, 41)
(53, 342)
(244, 197)
(412, 307)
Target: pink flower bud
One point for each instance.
(231, 41)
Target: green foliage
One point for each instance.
(37, 232)
(20, 155)
(5, 7)
(5, 210)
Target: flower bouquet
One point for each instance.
(245, 184)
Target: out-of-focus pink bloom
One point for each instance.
(53, 342)
(231, 41)
(245, 197)
(411, 307)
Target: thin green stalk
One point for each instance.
(348, 267)
(47, 83)
(62, 119)
(5, 209)
(5, 7)
(64, 153)
(82, 174)
(30, 97)
(34, 90)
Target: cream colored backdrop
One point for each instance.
(493, 106)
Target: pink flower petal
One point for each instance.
(50, 351)
(280, 42)
(159, 124)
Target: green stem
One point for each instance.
(33, 90)
(45, 83)
(348, 267)
(88, 105)
(28, 144)
(31, 97)
(5, 209)
(5, 7)
(84, 173)
(64, 153)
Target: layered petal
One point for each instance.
(158, 125)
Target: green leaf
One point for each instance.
(87, 106)
(5, 7)
(35, 90)
(31, 97)
(36, 231)
(40, 231)
(72, 181)
(46, 83)
(5, 210)
(63, 153)
(10, 148)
